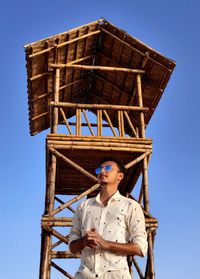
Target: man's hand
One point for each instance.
(94, 240)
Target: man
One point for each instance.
(107, 228)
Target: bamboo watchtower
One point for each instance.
(96, 88)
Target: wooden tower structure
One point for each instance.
(96, 88)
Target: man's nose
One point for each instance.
(102, 170)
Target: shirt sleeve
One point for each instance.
(137, 230)
(75, 232)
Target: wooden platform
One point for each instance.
(87, 151)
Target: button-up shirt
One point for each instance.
(121, 220)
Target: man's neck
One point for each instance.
(107, 191)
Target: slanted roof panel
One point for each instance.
(98, 43)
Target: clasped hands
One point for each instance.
(93, 240)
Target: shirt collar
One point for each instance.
(115, 197)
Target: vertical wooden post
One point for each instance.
(56, 99)
(45, 263)
(99, 122)
(78, 122)
(145, 184)
(122, 123)
(140, 103)
(119, 123)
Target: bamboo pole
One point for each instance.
(98, 106)
(55, 233)
(140, 100)
(71, 163)
(56, 224)
(98, 148)
(63, 255)
(65, 137)
(64, 43)
(119, 123)
(109, 122)
(61, 270)
(130, 124)
(151, 257)
(61, 202)
(137, 268)
(46, 218)
(138, 159)
(88, 123)
(44, 257)
(50, 186)
(40, 76)
(82, 195)
(140, 199)
(122, 123)
(78, 121)
(102, 68)
(66, 121)
(120, 145)
(99, 122)
(56, 98)
(79, 38)
(56, 244)
(39, 116)
(81, 59)
(145, 185)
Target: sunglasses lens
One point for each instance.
(98, 170)
(108, 168)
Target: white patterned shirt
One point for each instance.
(121, 220)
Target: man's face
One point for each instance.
(113, 176)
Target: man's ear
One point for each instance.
(120, 176)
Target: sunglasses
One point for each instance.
(107, 168)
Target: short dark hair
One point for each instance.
(117, 161)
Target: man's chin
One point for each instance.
(103, 183)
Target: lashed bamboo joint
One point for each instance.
(96, 88)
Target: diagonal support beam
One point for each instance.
(71, 163)
(137, 160)
(55, 233)
(65, 205)
(62, 270)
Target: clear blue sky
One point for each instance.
(172, 28)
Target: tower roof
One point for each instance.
(95, 44)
